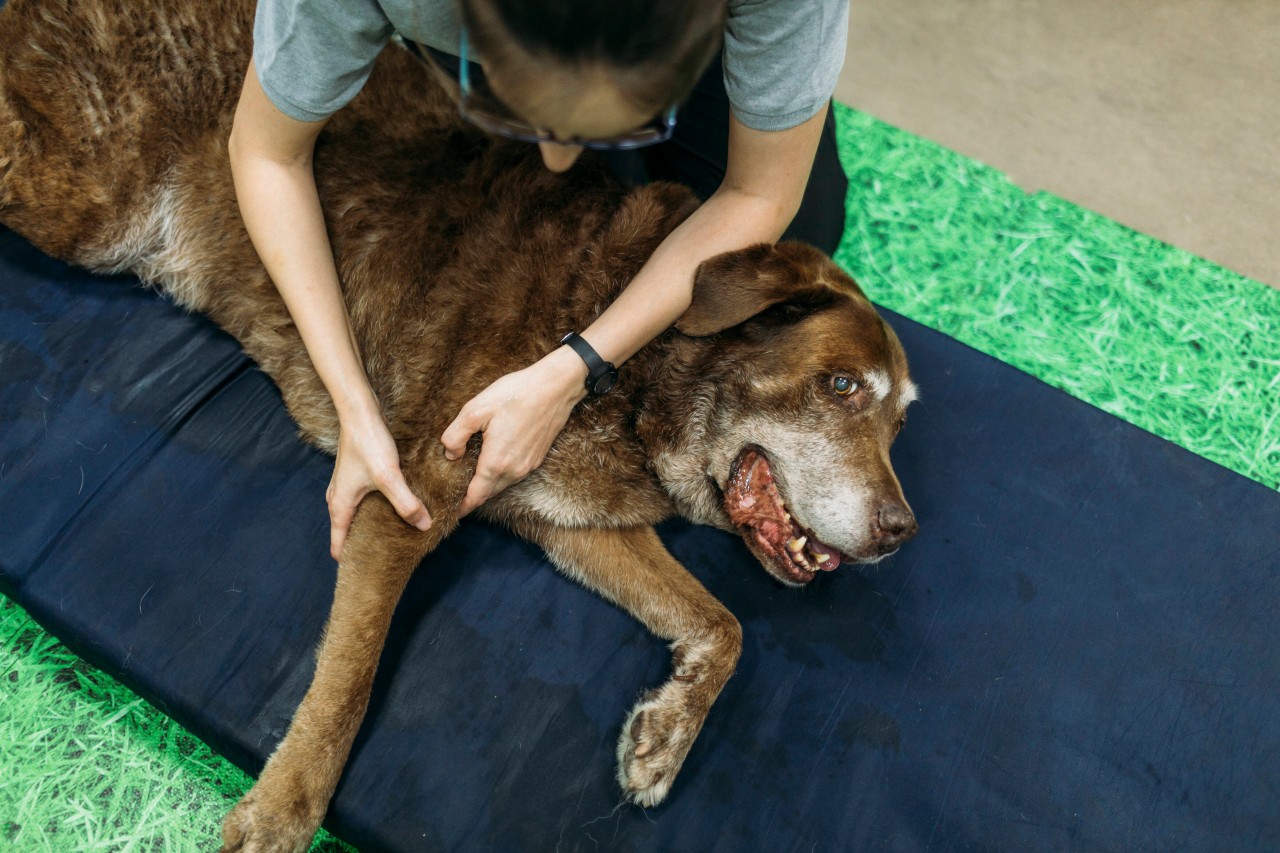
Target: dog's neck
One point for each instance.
(663, 389)
(675, 421)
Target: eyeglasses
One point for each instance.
(488, 113)
(484, 110)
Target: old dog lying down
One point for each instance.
(768, 411)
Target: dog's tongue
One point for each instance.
(833, 555)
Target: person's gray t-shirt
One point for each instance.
(781, 57)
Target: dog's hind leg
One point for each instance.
(632, 568)
(283, 810)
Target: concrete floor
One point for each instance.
(1161, 114)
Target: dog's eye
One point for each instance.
(843, 385)
(902, 421)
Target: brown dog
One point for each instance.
(769, 411)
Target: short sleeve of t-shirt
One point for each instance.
(313, 56)
(782, 59)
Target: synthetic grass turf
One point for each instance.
(1165, 340)
(87, 765)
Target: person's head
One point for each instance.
(589, 69)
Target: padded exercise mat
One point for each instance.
(1077, 652)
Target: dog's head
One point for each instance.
(793, 391)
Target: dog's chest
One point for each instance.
(593, 479)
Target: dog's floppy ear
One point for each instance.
(734, 287)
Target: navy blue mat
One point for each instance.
(1077, 652)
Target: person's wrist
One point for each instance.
(358, 411)
(570, 373)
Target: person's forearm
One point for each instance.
(282, 214)
(765, 177)
(661, 292)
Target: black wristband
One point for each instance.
(601, 375)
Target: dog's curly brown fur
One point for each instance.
(461, 260)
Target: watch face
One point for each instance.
(604, 382)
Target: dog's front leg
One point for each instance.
(633, 569)
(284, 809)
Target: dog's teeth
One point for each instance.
(796, 545)
(822, 558)
(786, 516)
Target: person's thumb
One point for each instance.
(407, 505)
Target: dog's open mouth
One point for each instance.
(755, 506)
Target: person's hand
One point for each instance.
(520, 415)
(367, 462)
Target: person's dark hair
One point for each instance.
(657, 48)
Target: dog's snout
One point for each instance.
(896, 524)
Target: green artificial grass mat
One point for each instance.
(1165, 340)
(88, 765)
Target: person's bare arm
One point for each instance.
(271, 162)
(523, 412)
(762, 189)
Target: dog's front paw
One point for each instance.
(655, 740)
(271, 821)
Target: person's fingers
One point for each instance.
(455, 437)
(341, 510)
(477, 493)
(493, 474)
(487, 482)
(406, 503)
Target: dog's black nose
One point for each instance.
(896, 523)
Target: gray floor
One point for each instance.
(1161, 114)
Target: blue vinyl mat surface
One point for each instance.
(1077, 652)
